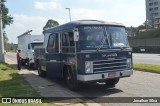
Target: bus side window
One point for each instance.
(53, 44)
(67, 42)
(71, 39)
(56, 43)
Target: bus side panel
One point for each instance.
(53, 68)
(68, 60)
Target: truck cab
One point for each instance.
(85, 51)
(30, 52)
(27, 43)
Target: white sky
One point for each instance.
(33, 14)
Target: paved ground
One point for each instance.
(146, 58)
(141, 84)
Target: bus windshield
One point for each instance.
(97, 38)
(92, 37)
(118, 37)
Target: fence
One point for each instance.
(150, 45)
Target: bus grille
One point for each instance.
(112, 64)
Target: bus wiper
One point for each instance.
(121, 47)
(101, 44)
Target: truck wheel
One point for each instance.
(71, 79)
(112, 82)
(30, 65)
(35, 64)
(41, 73)
(23, 62)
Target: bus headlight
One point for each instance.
(129, 63)
(89, 67)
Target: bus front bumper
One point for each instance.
(104, 76)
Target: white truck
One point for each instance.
(27, 43)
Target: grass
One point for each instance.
(44, 104)
(147, 68)
(14, 85)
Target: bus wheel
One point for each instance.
(41, 73)
(71, 79)
(112, 82)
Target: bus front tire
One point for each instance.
(111, 82)
(71, 79)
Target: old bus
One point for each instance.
(85, 51)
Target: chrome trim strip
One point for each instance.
(111, 59)
(109, 67)
(107, 63)
(53, 61)
(110, 70)
(93, 77)
(102, 51)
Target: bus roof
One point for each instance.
(74, 24)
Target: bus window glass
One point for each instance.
(68, 42)
(118, 36)
(51, 46)
(92, 37)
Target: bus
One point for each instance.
(85, 51)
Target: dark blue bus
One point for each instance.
(85, 51)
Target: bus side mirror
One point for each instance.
(126, 34)
(76, 35)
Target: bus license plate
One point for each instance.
(112, 74)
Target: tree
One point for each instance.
(141, 27)
(132, 31)
(50, 23)
(5, 39)
(6, 19)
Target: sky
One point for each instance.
(33, 14)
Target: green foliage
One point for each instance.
(141, 27)
(11, 47)
(5, 39)
(147, 68)
(153, 33)
(50, 23)
(6, 19)
(14, 85)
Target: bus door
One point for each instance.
(53, 56)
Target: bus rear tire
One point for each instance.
(41, 73)
(111, 82)
(71, 80)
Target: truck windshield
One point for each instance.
(36, 44)
(92, 38)
(117, 37)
